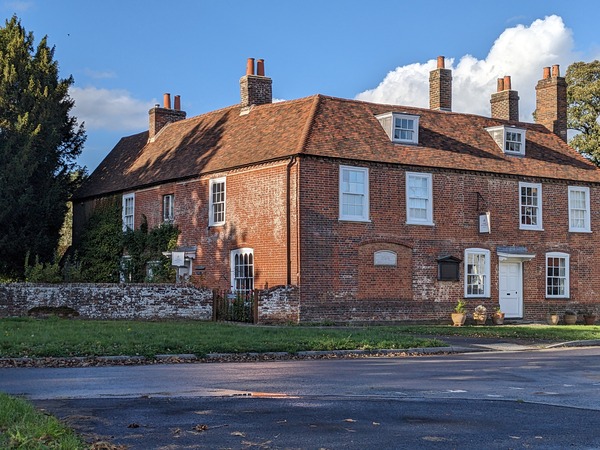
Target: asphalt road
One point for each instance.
(527, 399)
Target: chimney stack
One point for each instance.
(440, 87)
(505, 102)
(160, 117)
(551, 102)
(255, 89)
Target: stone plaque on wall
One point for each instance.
(385, 258)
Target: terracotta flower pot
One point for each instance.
(553, 319)
(498, 318)
(458, 319)
(589, 319)
(570, 319)
(480, 318)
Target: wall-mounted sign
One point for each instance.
(178, 259)
(484, 223)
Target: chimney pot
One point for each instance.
(167, 100)
(440, 87)
(505, 102)
(255, 90)
(551, 102)
(250, 66)
(260, 67)
(500, 85)
(177, 106)
(546, 73)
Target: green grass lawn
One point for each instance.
(24, 427)
(28, 337)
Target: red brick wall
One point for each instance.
(334, 251)
(255, 217)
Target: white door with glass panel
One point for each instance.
(511, 288)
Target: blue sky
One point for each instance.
(125, 54)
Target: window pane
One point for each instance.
(218, 202)
(243, 270)
(353, 194)
(556, 278)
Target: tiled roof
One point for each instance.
(328, 127)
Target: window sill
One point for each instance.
(427, 224)
(344, 219)
(218, 224)
(580, 231)
(531, 229)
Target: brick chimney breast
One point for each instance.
(505, 102)
(440, 87)
(551, 102)
(255, 89)
(161, 117)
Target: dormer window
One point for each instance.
(510, 139)
(401, 128)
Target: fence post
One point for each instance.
(255, 306)
(215, 306)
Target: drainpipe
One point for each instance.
(288, 202)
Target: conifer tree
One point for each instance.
(39, 144)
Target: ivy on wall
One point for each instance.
(106, 254)
(144, 260)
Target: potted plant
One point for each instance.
(570, 317)
(552, 318)
(589, 316)
(498, 317)
(480, 315)
(459, 315)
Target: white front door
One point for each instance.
(510, 282)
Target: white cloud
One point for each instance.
(521, 52)
(106, 109)
(18, 6)
(99, 74)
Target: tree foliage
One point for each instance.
(101, 244)
(583, 110)
(39, 143)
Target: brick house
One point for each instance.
(369, 212)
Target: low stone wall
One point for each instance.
(109, 301)
(280, 304)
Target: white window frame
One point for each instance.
(514, 139)
(346, 191)
(586, 228)
(523, 207)
(214, 205)
(388, 122)
(484, 275)
(128, 211)
(242, 270)
(428, 219)
(502, 135)
(168, 208)
(565, 277)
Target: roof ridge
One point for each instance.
(311, 118)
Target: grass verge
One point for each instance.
(55, 337)
(24, 427)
